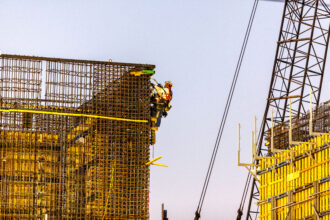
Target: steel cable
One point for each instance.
(226, 110)
(249, 177)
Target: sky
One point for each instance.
(195, 44)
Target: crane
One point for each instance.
(299, 65)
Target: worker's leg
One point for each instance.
(159, 118)
(153, 118)
(153, 112)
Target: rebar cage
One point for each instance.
(74, 139)
(300, 127)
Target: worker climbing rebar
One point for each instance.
(160, 99)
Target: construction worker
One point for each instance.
(161, 98)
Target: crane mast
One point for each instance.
(299, 65)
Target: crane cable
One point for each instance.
(226, 110)
(249, 177)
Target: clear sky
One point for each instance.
(193, 43)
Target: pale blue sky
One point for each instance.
(195, 44)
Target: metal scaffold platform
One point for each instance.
(74, 139)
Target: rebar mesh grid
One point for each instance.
(300, 127)
(74, 139)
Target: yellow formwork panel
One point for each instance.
(78, 130)
(99, 165)
(27, 138)
(28, 178)
(302, 172)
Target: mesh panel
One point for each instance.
(74, 139)
(300, 127)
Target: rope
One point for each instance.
(73, 114)
(225, 113)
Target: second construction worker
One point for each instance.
(160, 99)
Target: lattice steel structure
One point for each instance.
(74, 139)
(298, 68)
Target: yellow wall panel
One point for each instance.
(305, 175)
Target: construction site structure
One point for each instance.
(299, 67)
(294, 176)
(74, 139)
(295, 179)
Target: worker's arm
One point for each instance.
(160, 91)
(168, 107)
